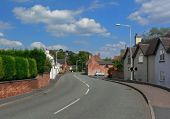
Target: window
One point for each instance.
(141, 58)
(162, 55)
(129, 59)
(162, 76)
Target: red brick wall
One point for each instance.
(12, 88)
(93, 67)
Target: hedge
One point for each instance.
(22, 68)
(1, 69)
(32, 67)
(36, 54)
(9, 67)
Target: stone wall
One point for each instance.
(13, 88)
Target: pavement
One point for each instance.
(157, 97)
(77, 96)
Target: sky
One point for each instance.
(77, 25)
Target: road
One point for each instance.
(77, 96)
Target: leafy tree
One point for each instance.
(48, 65)
(9, 67)
(32, 67)
(155, 32)
(22, 68)
(118, 64)
(1, 69)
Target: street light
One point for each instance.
(130, 34)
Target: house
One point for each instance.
(63, 65)
(162, 62)
(96, 65)
(127, 62)
(144, 60)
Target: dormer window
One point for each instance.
(141, 58)
(162, 55)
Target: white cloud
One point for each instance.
(9, 43)
(84, 27)
(97, 4)
(157, 11)
(57, 47)
(109, 50)
(60, 22)
(41, 14)
(4, 25)
(40, 45)
(1, 34)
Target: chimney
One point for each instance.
(90, 56)
(138, 39)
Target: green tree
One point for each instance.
(1, 69)
(32, 67)
(9, 67)
(118, 64)
(155, 32)
(22, 68)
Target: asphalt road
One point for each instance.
(77, 96)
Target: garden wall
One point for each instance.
(16, 87)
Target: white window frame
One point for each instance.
(162, 76)
(162, 55)
(141, 58)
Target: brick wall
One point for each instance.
(13, 88)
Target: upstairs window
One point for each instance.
(129, 59)
(162, 55)
(141, 58)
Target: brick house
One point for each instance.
(96, 65)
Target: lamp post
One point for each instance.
(130, 34)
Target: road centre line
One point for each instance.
(66, 106)
(84, 83)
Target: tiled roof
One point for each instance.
(127, 49)
(61, 61)
(102, 62)
(144, 48)
(166, 43)
(153, 43)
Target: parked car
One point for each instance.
(99, 74)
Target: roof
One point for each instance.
(166, 43)
(127, 49)
(153, 44)
(61, 61)
(102, 62)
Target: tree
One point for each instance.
(155, 32)
(118, 64)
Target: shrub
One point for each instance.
(1, 69)
(47, 66)
(40, 58)
(32, 67)
(9, 67)
(22, 68)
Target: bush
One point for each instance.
(9, 67)
(36, 54)
(48, 65)
(22, 68)
(1, 69)
(40, 58)
(32, 67)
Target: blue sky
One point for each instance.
(78, 25)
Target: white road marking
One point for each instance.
(67, 106)
(84, 83)
(87, 91)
